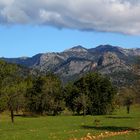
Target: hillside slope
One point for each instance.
(116, 62)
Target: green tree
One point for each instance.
(70, 93)
(52, 101)
(45, 96)
(93, 93)
(14, 94)
(81, 103)
(11, 87)
(127, 96)
(136, 86)
(34, 96)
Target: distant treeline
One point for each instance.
(45, 95)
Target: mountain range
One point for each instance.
(113, 61)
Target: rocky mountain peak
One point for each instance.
(105, 48)
(78, 48)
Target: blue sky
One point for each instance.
(28, 27)
(19, 41)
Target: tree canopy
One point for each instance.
(93, 92)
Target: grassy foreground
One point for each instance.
(68, 127)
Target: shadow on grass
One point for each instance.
(110, 128)
(114, 117)
(27, 116)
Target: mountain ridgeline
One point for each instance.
(113, 61)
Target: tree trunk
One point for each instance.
(12, 115)
(84, 111)
(128, 109)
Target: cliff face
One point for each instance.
(113, 61)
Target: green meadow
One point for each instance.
(66, 127)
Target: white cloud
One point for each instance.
(121, 16)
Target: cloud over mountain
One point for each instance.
(122, 16)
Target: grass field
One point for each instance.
(68, 127)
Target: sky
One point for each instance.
(28, 27)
